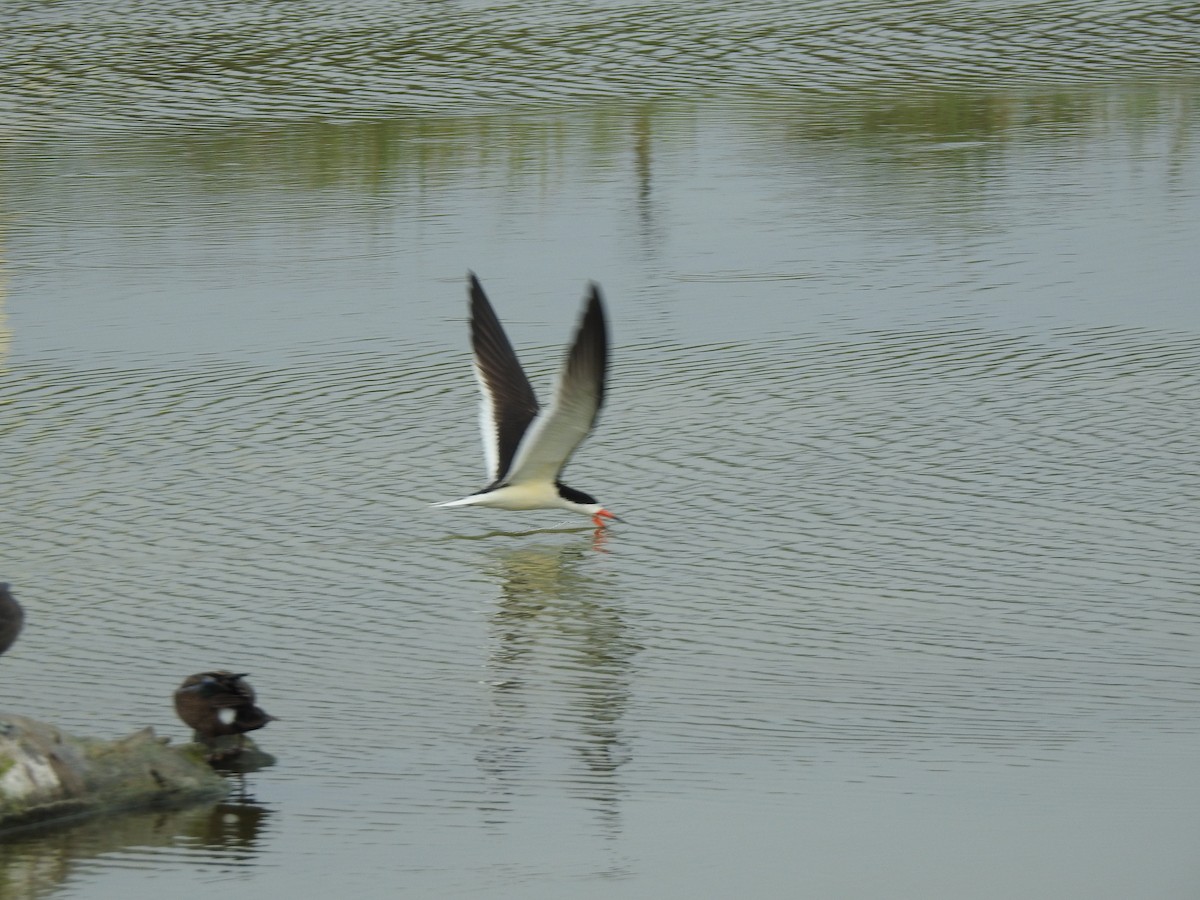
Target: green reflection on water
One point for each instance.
(37, 863)
(520, 147)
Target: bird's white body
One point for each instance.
(530, 495)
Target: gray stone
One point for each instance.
(48, 775)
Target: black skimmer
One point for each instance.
(525, 446)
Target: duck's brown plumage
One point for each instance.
(12, 617)
(218, 703)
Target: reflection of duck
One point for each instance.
(232, 827)
(12, 617)
(217, 704)
(526, 447)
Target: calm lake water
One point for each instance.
(903, 417)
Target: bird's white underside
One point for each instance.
(527, 495)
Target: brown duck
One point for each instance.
(12, 617)
(216, 704)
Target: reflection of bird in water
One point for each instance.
(218, 704)
(561, 656)
(527, 447)
(12, 617)
(233, 826)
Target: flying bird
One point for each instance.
(526, 446)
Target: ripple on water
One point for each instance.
(906, 543)
(922, 537)
(109, 64)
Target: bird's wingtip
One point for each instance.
(475, 289)
(594, 300)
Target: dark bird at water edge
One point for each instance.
(12, 617)
(217, 704)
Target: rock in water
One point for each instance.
(47, 774)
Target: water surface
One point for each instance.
(902, 415)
